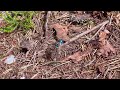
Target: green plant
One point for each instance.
(16, 19)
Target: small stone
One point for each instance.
(22, 77)
(10, 59)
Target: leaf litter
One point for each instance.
(105, 46)
(62, 31)
(99, 52)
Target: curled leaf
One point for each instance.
(61, 31)
(79, 55)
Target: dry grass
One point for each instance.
(43, 61)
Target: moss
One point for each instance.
(17, 19)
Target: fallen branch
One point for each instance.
(97, 32)
(57, 66)
(47, 15)
(84, 33)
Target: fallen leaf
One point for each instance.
(100, 69)
(105, 46)
(10, 59)
(102, 36)
(110, 46)
(61, 31)
(79, 55)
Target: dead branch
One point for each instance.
(46, 22)
(84, 33)
(101, 28)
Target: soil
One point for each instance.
(38, 57)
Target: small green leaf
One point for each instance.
(10, 28)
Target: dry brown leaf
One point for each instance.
(79, 55)
(105, 46)
(110, 46)
(61, 31)
(101, 69)
(102, 36)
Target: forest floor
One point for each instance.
(64, 45)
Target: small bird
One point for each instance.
(60, 42)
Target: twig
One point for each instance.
(113, 62)
(34, 75)
(110, 77)
(24, 67)
(46, 22)
(97, 32)
(106, 72)
(89, 63)
(118, 66)
(51, 62)
(57, 66)
(89, 71)
(62, 16)
(53, 77)
(97, 76)
(76, 73)
(84, 33)
(10, 50)
(7, 71)
(111, 19)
